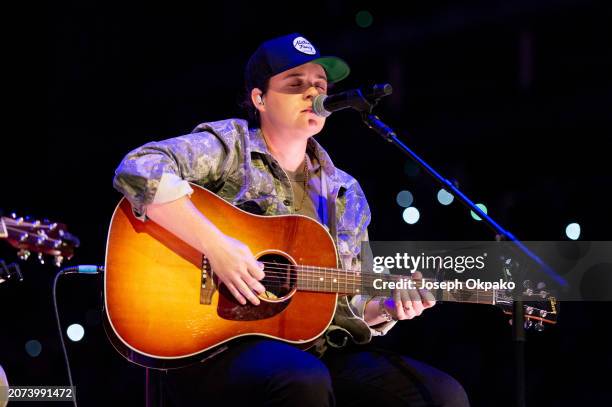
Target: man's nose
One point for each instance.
(311, 92)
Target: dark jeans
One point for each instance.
(263, 372)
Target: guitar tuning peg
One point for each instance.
(529, 310)
(539, 326)
(41, 259)
(23, 254)
(543, 313)
(58, 260)
(528, 324)
(13, 215)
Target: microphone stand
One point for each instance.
(365, 107)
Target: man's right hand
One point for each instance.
(231, 260)
(235, 265)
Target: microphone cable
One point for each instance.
(83, 269)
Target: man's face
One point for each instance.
(289, 99)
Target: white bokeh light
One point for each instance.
(75, 332)
(573, 231)
(411, 215)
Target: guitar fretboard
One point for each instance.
(320, 279)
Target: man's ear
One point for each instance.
(257, 99)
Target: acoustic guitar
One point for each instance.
(165, 308)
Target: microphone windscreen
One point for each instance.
(317, 106)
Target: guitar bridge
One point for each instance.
(207, 285)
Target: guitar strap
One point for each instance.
(327, 205)
(323, 207)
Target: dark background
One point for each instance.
(511, 99)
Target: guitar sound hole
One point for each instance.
(280, 276)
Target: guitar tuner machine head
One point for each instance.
(43, 238)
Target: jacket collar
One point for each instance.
(313, 148)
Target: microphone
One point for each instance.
(358, 99)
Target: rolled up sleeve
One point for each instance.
(160, 171)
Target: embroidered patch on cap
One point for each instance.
(303, 45)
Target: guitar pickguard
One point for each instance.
(229, 308)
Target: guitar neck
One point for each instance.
(348, 282)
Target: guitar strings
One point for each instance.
(281, 278)
(315, 275)
(481, 295)
(319, 270)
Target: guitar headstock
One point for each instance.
(42, 237)
(539, 307)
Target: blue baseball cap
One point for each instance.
(283, 53)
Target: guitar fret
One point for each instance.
(347, 283)
(323, 278)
